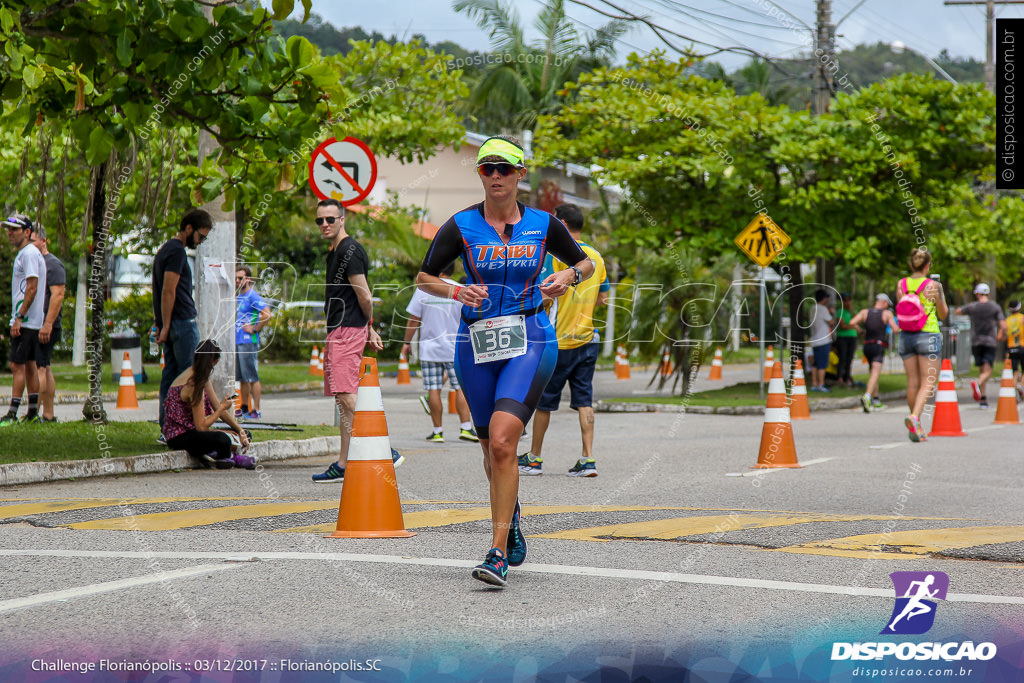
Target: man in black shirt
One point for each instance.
(50, 332)
(174, 310)
(349, 308)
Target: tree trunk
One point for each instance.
(93, 410)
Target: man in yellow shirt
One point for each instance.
(1015, 345)
(578, 346)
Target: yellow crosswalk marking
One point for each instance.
(911, 543)
(165, 521)
(21, 510)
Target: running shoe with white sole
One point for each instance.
(516, 540)
(493, 570)
(529, 465)
(436, 437)
(865, 402)
(975, 390)
(584, 468)
(469, 435)
(425, 402)
(396, 458)
(330, 475)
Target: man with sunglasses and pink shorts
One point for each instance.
(349, 308)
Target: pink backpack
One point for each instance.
(911, 315)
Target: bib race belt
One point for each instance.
(498, 338)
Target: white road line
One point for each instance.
(982, 429)
(886, 446)
(602, 572)
(110, 586)
(758, 473)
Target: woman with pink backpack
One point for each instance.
(920, 305)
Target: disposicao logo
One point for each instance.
(914, 614)
(916, 595)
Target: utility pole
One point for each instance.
(990, 31)
(215, 276)
(826, 42)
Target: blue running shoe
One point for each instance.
(493, 570)
(516, 540)
(529, 465)
(333, 473)
(584, 468)
(396, 458)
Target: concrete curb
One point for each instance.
(265, 451)
(817, 405)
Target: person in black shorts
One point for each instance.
(876, 322)
(28, 284)
(505, 352)
(50, 332)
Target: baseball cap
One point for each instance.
(981, 289)
(882, 296)
(18, 221)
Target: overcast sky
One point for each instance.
(927, 26)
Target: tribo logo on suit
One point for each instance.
(914, 614)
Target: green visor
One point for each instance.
(508, 151)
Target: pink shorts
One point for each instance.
(342, 356)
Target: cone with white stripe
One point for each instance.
(1006, 409)
(320, 363)
(799, 408)
(403, 370)
(126, 398)
(370, 506)
(621, 363)
(666, 363)
(947, 411)
(238, 396)
(777, 446)
(716, 366)
(314, 356)
(769, 363)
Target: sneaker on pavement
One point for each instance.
(332, 474)
(162, 440)
(584, 468)
(243, 461)
(914, 429)
(865, 402)
(877, 404)
(436, 437)
(493, 570)
(210, 460)
(975, 390)
(529, 465)
(425, 402)
(468, 435)
(516, 540)
(396, 458)
(983, 403)
(254, 415)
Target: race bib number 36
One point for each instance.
(498, 338)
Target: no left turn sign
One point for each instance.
(342, 169)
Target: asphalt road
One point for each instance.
(677, 558)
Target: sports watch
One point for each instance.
(579, 276)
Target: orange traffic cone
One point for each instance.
(777, 446)
(453, 403)
(621, 363)
(666, 363)
(403, 370)
(161, 360)
(799, 408)
(238, 396)
(320, 363)
(946, 421)
(769, 361)
(126, 398)
(716, 366)
(1006, 409)
(370, 506)
(314, 356)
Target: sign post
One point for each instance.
(762, 240)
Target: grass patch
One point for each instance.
(748, 394)
(78, 440)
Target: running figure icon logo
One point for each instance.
(916, 593)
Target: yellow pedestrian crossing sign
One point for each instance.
(762, 240)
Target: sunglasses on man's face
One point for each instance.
(328, 219)
(487, 170)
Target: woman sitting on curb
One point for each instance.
(190, 412)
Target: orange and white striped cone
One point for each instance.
(161, 360)
(320, 363)
(403, 370)
(126, 397)
(1006, 409)
(453, 402)
(314, 356)
(370, 506)
(621, 363)
(946, 421)
(666, 364)
(716, 366)
(238, 396)
(769, 362)
(777, 446)
(799, 408)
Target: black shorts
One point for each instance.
(1016, 355)
(23, 347)
(875, 353)
(44, 351)
(984, 355)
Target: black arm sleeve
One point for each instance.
(561, 245)
(446, 247)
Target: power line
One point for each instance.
(710, 25)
